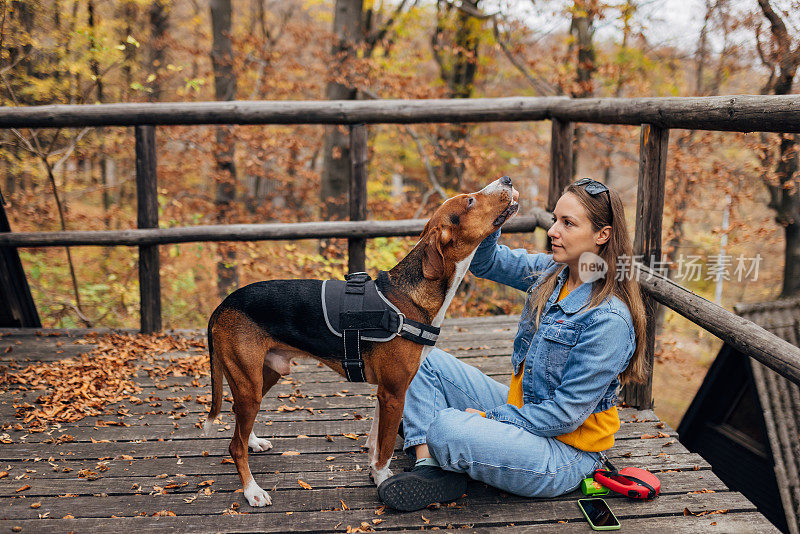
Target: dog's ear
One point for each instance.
(433, 260)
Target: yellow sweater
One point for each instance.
(595, 434)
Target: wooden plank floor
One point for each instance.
(147, 467)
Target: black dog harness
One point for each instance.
(356, 310)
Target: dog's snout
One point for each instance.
(505, 180)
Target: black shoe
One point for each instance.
(421, 486)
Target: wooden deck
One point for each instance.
(146, 467)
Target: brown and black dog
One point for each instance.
(255, 332)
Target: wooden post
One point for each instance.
(560, 162)
(357, 247)
(147, 217)
(17, 308)
(647, 242)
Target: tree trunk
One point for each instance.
(784, 196)
(582, 29)
(458, 65)
(627, 13)
(94, 65)
(791, 268)
(159, 11)
(224, 89)
(348, 27)
(128, 14)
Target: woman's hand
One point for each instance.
(472, 410)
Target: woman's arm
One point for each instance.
(602, 352)
(515, 268)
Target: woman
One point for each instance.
(576, 341)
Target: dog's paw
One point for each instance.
(258, 444)
(379, 475)
(256, 496)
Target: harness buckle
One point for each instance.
(360, 277)
(401, 322)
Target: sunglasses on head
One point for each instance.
(594, 188)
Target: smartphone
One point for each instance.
(598, 514)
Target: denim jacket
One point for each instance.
(573, 360)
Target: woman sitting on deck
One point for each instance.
(577, 339)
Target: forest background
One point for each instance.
(735, 191)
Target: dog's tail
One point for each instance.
(216, 378)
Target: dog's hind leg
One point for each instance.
(270, 378)
(243, 347)
(246, 411)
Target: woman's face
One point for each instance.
(572, 234)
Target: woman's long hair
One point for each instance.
(627, 289)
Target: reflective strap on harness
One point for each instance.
(421, 333)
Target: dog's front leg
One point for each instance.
(390, 409)
(372, 440)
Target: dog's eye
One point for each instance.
(470, 202)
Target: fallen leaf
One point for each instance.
(425, 519)
(725, 511)
(330, 458)
(290, 453)
(36, 505)
(303, 484)
(164, 513)
(344, 506)
(380, 510)
(23, 488)
(227, 461)
(351, 436)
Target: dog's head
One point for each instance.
(462, 222)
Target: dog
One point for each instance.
(256, 330)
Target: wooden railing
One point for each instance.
(656, 116)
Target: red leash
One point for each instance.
(630, 481)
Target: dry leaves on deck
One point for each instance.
(82, 386)
(687, 512)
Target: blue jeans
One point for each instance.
(499, 454)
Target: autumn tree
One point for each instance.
(348, 29)
(780, 53)
(225, 176)
(455, 43)
(584, 15)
